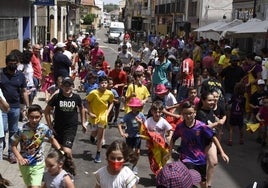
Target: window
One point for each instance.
(8, 29)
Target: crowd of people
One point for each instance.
(195, 89)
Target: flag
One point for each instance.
(252, 127)
(157, 148)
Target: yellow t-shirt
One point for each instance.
(224, 61)
(141, 92)
(98, 105)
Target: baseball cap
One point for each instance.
(171, 56)
(176, 174)
(261, 82)
(67, 81)
(60, 45)
(257, 58)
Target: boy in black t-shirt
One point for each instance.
(65, 105)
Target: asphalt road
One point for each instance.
(242, 170)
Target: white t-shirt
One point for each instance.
(162, 126)
(153, 54)
(125, 179)
(170, 99)
(125, 58)
(27, 70)
(264, 72)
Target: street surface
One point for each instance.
(242, 170)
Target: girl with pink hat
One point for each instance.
(132, 131)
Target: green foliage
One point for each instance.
(110, 7)
(88, 19)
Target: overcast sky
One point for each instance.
(111, 1)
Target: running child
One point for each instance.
(132, 131)
(100, 104)
(160, 133)
(31, 139)
(195, 138)
(115, 174)
(60, 170)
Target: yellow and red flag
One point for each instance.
(157, 148)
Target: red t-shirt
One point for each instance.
(118, 78)
(36, 66)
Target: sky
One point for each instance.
(111, 1)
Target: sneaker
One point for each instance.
(135, 170)
(97, 158)
(103, 144)
(12, 159)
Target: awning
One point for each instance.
(210, 27)
(241, 27)
(259, 27)
(228, 25)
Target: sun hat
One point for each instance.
(60, 45)
(67, 81)
(160, 89)
(176, 174)
(261, 82)
(135, 102)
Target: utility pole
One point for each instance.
(254, 9)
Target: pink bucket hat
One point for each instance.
(176, 174)
(135, 102)
(160, 89)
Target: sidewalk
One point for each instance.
(11, 171)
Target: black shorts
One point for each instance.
(134, 142)
(202, 169)
(66, 136)
(236, 121)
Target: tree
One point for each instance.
(110, 7)
(88, 19)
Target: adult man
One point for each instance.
(95, 53)
(162, 69)
(61, 62)
(231, 75)
(126, 58)
(13, 84)
(36, 63)
(208, 61)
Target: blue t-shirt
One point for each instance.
(193, 142)
(11, 86)
(90, 87)
(132, 126)
(161, 71)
